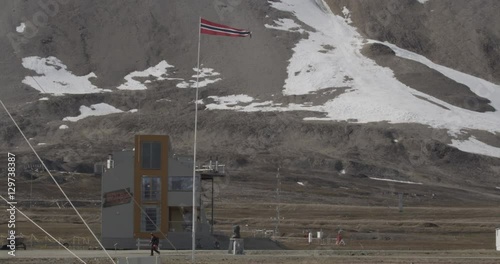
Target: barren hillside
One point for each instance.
(272, 125)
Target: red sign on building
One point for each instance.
(123, 196)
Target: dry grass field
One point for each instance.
(427, 230)
(372, 234)
(254, 257)
(364, 228)
(369, 228)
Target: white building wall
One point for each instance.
(117, 222)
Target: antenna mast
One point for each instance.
(278, 190)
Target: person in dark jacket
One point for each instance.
(155, 241)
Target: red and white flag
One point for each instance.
(211, 28)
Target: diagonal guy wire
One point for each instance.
(57, 184)
(47, 233)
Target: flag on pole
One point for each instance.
(211, 28)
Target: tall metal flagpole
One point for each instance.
(194, 151)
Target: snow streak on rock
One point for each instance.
(155, 73)
(94, 110)
(54, 78)
(203, 78)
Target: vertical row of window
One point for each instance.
(151, 190)
(151, 187)
(182, 183)
(151, 219)
(151, 155)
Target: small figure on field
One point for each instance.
(340, 240)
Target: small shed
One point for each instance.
(498, 239)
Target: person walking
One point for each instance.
(155, 241)
(340, 240)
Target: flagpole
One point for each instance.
(194, 149)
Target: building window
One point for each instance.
(181, 219)
(150, 219)
(151, 188)
(183, 183)
(151, 155)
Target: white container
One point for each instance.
(498, 239)
(320, 234)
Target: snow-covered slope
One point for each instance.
(331, 58)
(326, 62)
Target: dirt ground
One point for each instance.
(253, 257)
(364, 228)
(372, 234)
(427, 230)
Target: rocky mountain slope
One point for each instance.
(271, 122)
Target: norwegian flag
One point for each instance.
(211, 28)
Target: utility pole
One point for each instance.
(31, 189)
(278, 190)
(400, 195)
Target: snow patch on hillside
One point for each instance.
(21, 28)
(347, 15)
(234, 102)
(285, 24)
(477, 85)
(232, 99)
(94, 110)
(156, 73)
(54, 78)
(203, 76)
(245, 103)
(473, 145)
